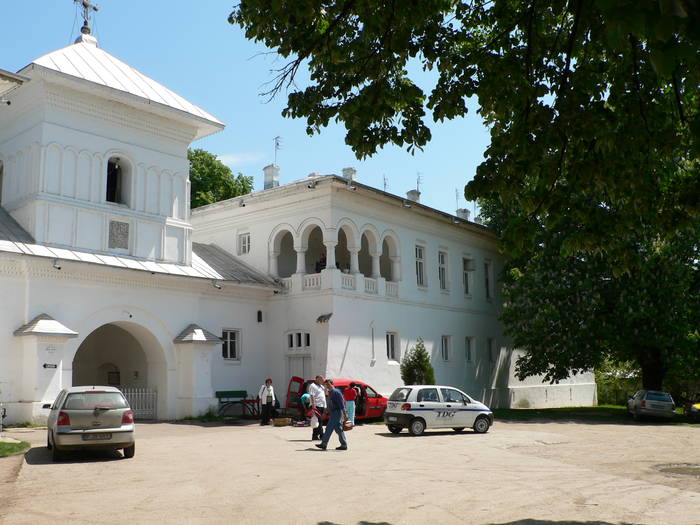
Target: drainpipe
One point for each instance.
(374, 359)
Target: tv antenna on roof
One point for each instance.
(86, 6)
(457, 198)
(278, 145)
(419, 179)
(385, 182)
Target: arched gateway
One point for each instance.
(127, 355)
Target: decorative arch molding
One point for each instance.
(352, 232)
(305, 229)
(392, 241)
(372, 234)
(275, 237)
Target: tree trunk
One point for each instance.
(653, 369)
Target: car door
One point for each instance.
(374, 407)
(294, 392)
(455, 409)
(429, 406)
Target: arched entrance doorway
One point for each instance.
(125, 355)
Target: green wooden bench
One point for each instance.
(232, 402)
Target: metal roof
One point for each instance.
(208, 261)
(86, 61)
(194, 333)
(44, 324)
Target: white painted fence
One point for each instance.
(143, 401)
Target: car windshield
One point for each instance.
(93, 400)
(400, 394)
(659, 396)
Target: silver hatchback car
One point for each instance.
(652, 403)
(90, 417)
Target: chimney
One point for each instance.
(413, 195)
(350, 173)
(272, 176)
(463, 213)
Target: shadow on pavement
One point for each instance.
(42, 456)
(358, 523)
(560, 522)
(426, 434)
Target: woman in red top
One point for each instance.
(350, 394)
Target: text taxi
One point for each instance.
(418, 407)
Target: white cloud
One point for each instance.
(238, 159)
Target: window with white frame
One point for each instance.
(420, 265)
(467, 270)
(445, 348)
(243, 243)
(487, 279)
(491, 350)
(392, 340)
(442, 270)
(231, 345)
(468, 343)
(298, 341)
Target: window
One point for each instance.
(467, 269)
(230, 348)
(420, 266)
(468, 349)
(450, 395)
(428, 394)
(118, 181)
(490, 350)
(391, 340)
(298, 341)
(487, 279)
(243, 243)
(442, 270)
(445, 348)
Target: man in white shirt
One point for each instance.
(318, 402)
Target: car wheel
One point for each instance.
(130, 451)
(481, 425)
(636, 416)
(394, 429)
(458, 429)
(416, 427)
(48, 441)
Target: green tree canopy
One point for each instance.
(212, 181)
(415, 366)
(575, 312)
(598, 98)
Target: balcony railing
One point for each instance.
(347, 281)
(370, 285)
(335, 279)
(392, 289)
(312, 281)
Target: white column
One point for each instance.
(301, 261)
(274, 270)
(354, 262)
(330, 254)
(375, 266)
(395, 268)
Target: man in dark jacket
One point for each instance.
(336, 409)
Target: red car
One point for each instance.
(368, 405)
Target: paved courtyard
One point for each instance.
(518, 473)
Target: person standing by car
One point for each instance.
(318, 402)
(350, 394)
(266, 395)
(336, 407)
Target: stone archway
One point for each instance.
(123, 354)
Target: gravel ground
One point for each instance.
(518, 473)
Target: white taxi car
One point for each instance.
(419, 407)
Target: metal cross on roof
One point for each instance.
(86, 6)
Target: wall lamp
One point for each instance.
(242, 204)
(406, 204)
(311, 185)
(56, 264)
(216, 285)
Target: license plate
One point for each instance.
(391, 418)
(97, 436)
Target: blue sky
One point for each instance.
(191, 48)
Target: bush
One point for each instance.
(415, 366)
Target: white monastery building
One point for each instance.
(106, 277)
